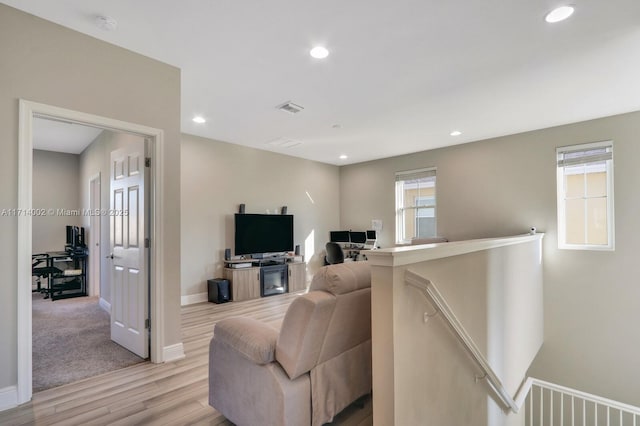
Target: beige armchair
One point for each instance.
(317, 364)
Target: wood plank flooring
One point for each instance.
(174, 393)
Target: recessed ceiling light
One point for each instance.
(456, 133)
(106, 23)
(319, 52)
(343, 157)
(559, 14)
(199, 119)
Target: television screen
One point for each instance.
(358, 237)
(263, 233)
(339, 236)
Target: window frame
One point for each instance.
(561, 206)
(399, 201)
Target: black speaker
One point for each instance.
(297, 252)
(218, 290)
(284, 210)
(80, 238)
(227, 254)
(241, 209)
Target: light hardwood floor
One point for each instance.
(174, 393)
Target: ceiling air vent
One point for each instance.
(283, 143)
(290, 107)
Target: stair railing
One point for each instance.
(564, 406)
(429, 289)
(549, 404)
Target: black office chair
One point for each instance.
(334, 254)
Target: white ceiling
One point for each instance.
(401, 74)
(58, 136)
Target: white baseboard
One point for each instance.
(8, 398)
(173, 352)
(105, 305)
(190, 299)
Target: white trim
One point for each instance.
(173, 352)
(405, 255)
(8, 398)
(190, 299)
(94, 273)
(106, 306)
(27, 111)
(25, 177)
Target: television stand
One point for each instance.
(245, 281)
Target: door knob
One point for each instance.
(109, 256)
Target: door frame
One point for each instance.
(95, 235)
(28, 110)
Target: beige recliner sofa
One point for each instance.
(317, 364)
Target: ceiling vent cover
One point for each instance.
(284, 143)
(290, 107)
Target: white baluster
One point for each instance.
(551, 408)
(531, 407)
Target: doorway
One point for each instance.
(72, 333)
(28, 111)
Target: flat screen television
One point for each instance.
(263, 233)
(358, 237)
(339, 236)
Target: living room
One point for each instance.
(492, 187)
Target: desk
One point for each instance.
(354, 251)
(66, 273)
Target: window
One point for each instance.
(585, 196)
(415, 205)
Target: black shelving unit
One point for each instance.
(71, 280)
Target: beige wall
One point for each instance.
(217, 177)
(502, 187)
(46, 63)
(55, 186)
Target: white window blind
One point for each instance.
(585, 155)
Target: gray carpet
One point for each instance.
(71, 341)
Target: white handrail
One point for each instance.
(421, 283)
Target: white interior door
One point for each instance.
(129, 283)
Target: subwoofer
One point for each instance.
(219, 290)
